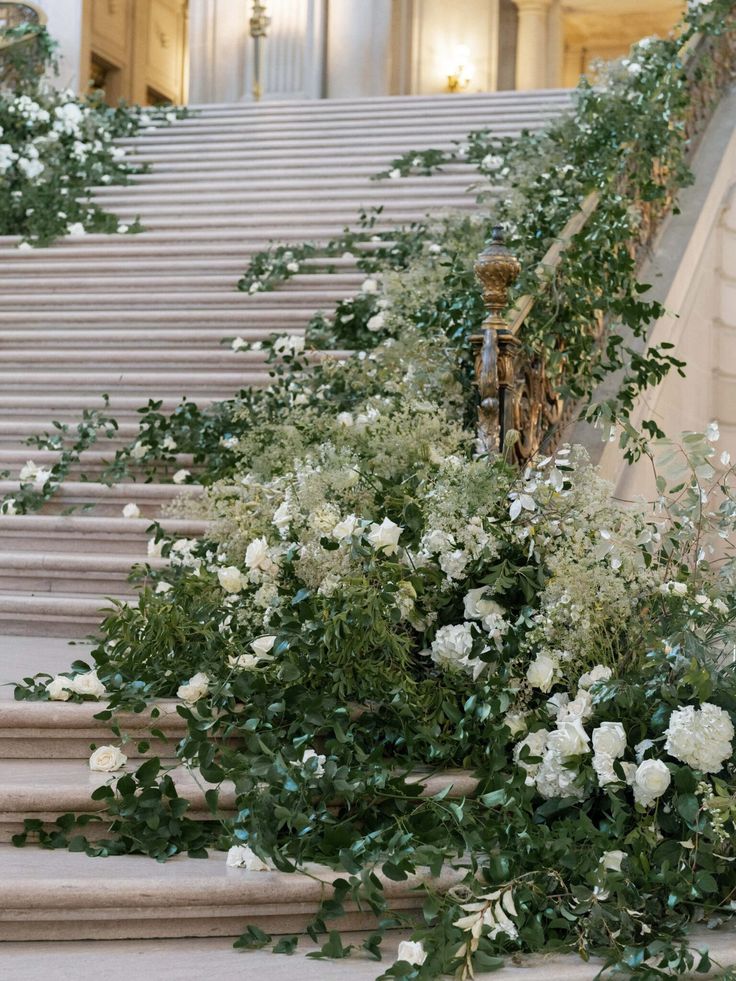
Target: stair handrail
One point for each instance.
(535, 416)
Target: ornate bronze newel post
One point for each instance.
(259, 24)
(496, 347)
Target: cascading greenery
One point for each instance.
(55, 147)
(376, 609)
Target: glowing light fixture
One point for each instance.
(461, 75)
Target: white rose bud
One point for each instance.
(106, 759)
(131, 511)
(262, 646)
(610, 739)
(230, 579)
(651, 780)
(612, 860)
(310, 754)
(411, 952)
(541, 672)
(194, 689)
(88, 684)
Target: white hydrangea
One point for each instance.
(555, 777)
(454, 563)
(700, 737)
(451, 648)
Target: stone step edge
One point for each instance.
(58, 898)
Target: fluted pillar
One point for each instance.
(532, 44)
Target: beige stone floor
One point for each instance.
(193, 960)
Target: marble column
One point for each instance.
(532, 44)
(65, 26)
(358, 48)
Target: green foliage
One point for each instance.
(56, 147)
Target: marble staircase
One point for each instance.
(142, 316)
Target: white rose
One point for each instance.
(138, 451)
(88, 684)
(369, 286)
(598, 673)
(262, 646)
(105, 759)
(344, 419)
(231, 579)
(541, 672)
(557, 703)
(612, 860)
(610, 738)
(570, 738)
(580, 707)
(258, 556)
(194, 689)
(155, 547)
(282, 517)
(478, 605)
(310, 754)
(411, 952)
(385, 537)
(346, 528)
(131, 511)
(180, 476)
(243, 857)
(59, 689)
(515, 722)
(651, 780)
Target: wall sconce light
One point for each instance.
(460, 77)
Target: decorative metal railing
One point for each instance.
(520, 411)
(22, 50)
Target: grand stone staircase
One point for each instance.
(138, 317)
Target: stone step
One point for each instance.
(111, 499)
(417, 190)
(42, 731)
(361, 106)
(258, 305)
(60, 895)
(71, 615)
(41, 572)
(345, 182)
(88, 534)
(43, 790)
(181, 278)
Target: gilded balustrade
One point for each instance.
(520, 413)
